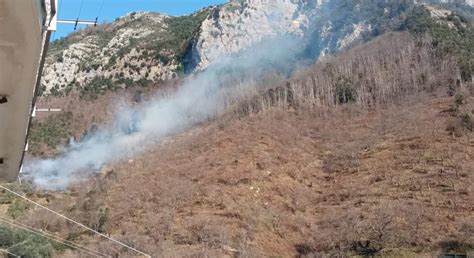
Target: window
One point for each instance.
(3, 99)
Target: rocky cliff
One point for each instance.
(139, 48)
(240, 24)
(144, 48)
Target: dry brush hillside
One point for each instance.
(307, 167)
(284, 184)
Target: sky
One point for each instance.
(111, 9)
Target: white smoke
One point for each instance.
(195, 101)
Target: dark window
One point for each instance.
(3, 99)
(2, 160)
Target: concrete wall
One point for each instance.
(21, 44)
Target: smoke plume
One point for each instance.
(136, 129)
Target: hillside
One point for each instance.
(291, 178)
(355, 141)
(287, 184)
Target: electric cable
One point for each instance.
(75, 222)
(101, 8)
(79, 15)
(80, 9)
(98, 15)
(53, 237)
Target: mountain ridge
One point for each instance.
(144, 48)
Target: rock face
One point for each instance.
(142, 48)
(332, 24)
(466, 2)
(108, 51)
(240, 24)
(120, 53)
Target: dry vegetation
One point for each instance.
(84, 116)
(381, 72)
(364, 153)
(285, 184)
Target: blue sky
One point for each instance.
(71, 9)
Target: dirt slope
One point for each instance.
(285, 184)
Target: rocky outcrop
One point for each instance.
(329, 25)
(239, 24)
(142, 48)
(121, 53)
(110, 51)
(466, 2)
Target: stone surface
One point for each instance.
(112, 51)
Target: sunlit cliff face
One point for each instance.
(241, 24)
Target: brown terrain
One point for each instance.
(388, 174)
(282, 184)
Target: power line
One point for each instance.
(79, 15)
(80, 9)
(100, 9)
(75, 222)
(52, 237)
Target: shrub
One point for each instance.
(127, 81)
(462, 123)
(52, 132)
(60, 58)
(454, 129)
(33, 246)
(345, 91)
(459, 100)
(17, 209)
(172, 44)
(6, 197)
(453, 41)
(26, 244)
(96, 87)
(466, 121)
(55, 91)
(111, 63)
(41, 90)
(143, 82)
(7, 237)
(387, 225)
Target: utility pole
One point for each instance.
(77, 21)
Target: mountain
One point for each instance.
(146, 48)
(240, 24)
(143, 48)
(363, 153)
(135, 49)
(360, 144)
